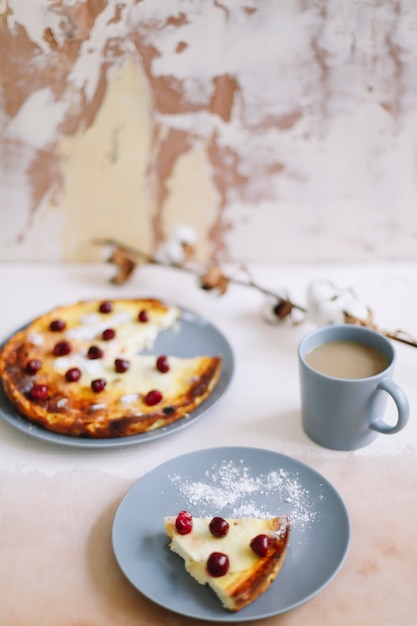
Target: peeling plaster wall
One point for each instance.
(282, 131)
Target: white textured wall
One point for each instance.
(278, 130)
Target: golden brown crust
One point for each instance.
(245, 590)
(73, 408)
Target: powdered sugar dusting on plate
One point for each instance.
(232, 486)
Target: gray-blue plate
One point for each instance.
(231, 482)
(194, 336)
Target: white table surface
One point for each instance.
(58, 502)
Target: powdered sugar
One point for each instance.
(231, 487)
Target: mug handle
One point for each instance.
(403, 408)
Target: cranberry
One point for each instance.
(153, 397)
(106, 307)
(33, 366)
(184, 523)
(219, 527)
(57, 325)
(260, 544)
(162, 364)
(62, 348)
(217, 564)
(98, 384)
(94, 352)
(38, 392)
(121, 365)
(73, 374)
(108, 334)
(143, 316)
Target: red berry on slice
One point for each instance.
(219, 527)
(98, 384)
(57, 325)
(38, 392)
(153, 397)
(62, 348)
(73, 374)
(106, 307)
(162, 364)
(33, 366)
(108, 334)
(260, 544)
(143, 316)
(184, 523)
(121, 365)
(94, 352)
(217, 564)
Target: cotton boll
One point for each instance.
(357, 309)
(276, 308)
(107, 252)
(184, 234)
(329, 312)
(328, 305)
(314, 314)
(171, 251)
(352, 306)
(319, 291)
(267, 311)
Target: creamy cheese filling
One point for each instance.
(35, 338)
(131, 338)
(141, 377)
(131, 335)
(196, 547)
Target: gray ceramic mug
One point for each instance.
(348, 413)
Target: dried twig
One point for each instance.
(125, 258)
(212, 278)
(397, 335)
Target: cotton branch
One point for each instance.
(212, 278)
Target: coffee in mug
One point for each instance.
(345, 379)
(346, 359)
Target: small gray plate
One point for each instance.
(194, 336)
(246, 479)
